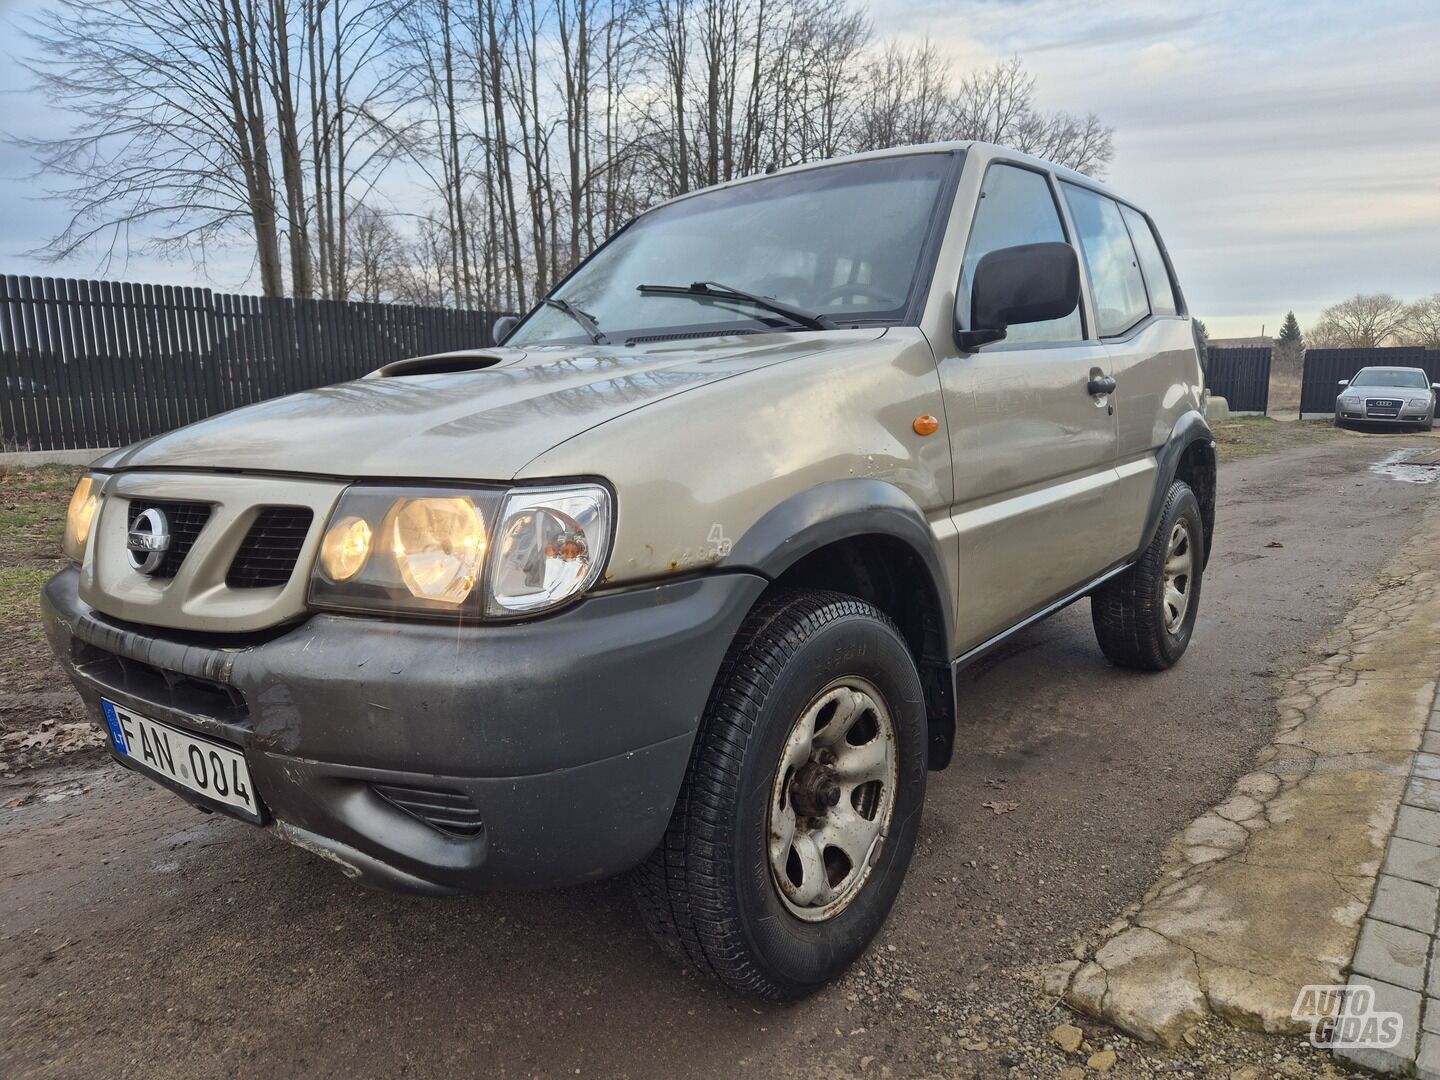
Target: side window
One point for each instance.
(1120, 300)
(1017, 207)
(1152, 263)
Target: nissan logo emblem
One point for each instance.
(148, 540)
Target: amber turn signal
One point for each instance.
(926, 425)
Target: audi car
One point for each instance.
(1398, 396)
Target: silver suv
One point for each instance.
(678, 580)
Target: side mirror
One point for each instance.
(504, 326)
(1435, 386)
(1344, 382)
(1029, 283)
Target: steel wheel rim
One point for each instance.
(1179, 577)
(832, 799)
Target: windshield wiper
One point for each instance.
(716, 291)
(587, 322)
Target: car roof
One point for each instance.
(991, 151)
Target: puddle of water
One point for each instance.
(1413, 465)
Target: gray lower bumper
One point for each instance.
(1358, 416)
(567, 735)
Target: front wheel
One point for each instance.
(800, 806)
(1144, 617)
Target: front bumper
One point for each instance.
(1362, 414)
(568, 735)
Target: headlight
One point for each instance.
(80, 517)
(550, 546)
(439, 546)
(408, 550)
(1419, 402)
(1349, 399)
(345, 548)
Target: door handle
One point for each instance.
(1100, 384)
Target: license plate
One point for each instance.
(207, 768)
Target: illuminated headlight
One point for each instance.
(462, 552)
(550, 546)
(80, 517)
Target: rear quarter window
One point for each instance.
(1115, 279)
(1152, 263)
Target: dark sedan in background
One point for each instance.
(1401, 396)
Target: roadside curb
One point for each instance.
(1396, 954)
(1266, 892)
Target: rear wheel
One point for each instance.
(1144, 617)
(799, 810)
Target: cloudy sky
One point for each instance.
(1289, 151)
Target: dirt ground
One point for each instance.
(40, 717)
(141, 938)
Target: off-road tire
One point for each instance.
(1128, 610)
(706, 893)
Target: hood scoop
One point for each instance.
(443, 364)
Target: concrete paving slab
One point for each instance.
(1396, 999)
(1392, 953)
(1413, 860)
(1423, 793)
(1405, 903)
(1416, 823)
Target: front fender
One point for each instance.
(841, 510)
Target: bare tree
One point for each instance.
(171, 136)
(1365, 321)
(997, 105)
(526, 130)
(1422, 323)
(375, 256)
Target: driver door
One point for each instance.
(1034, 450)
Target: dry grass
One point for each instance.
(1284, 396)
(1250, 436)
(35, 700)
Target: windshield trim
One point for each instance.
(920, 290)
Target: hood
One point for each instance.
(480, 415)
(1405, 392)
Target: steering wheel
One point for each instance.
(856, 288)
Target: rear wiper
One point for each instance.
(715, 291)
(587, 322)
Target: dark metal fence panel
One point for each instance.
(1324, 368)
(103, 363)
(1241, 376)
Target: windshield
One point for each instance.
(1390, 377)
(843, 241)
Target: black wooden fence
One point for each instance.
(1241, 376)
(1324, 368)
(104, 363)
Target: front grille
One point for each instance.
(449, 811)
(1382, 409)
(184, 519)
(270, 549)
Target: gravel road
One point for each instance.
(141, 938)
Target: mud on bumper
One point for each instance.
(438, 758)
